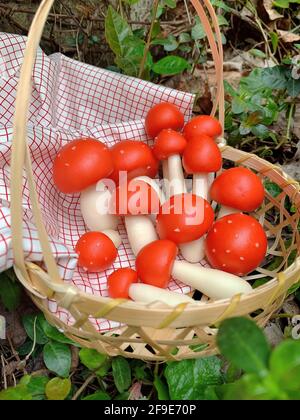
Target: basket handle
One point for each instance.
(20, 149)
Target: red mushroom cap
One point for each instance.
(119, 281)
(169, 143)
(203, 124)
(184, 218)
(134, 157)
(238, 188)
(80, 164)
(161, 116)
(154, 263)
(202, 155)
(237, 244)
(136, 197)
(96, 252)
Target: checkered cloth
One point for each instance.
(69, 100)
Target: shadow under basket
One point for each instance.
(155, 332)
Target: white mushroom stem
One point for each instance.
(140, 229)
(213, 283)
(194, 251)
(94, 203)
(226, 211)
(176, 176)
(149, 294)
(165, 170)
(140, 232)
(201, 185)
(114, 236)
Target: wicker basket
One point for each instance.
(152, 332)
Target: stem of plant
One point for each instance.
(147, 46)
(289, 123)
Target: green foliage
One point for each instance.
(10, 291)
(256, 105)
(246, 337)
(97, 396)
(190, 379)
(121, 373)
(170, 65)
(58, 389)
(57, 358)
(129, 45)
(97, 362)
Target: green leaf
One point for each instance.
(92, 359)
(171, 65)
(10, 292)
(244, 129)
(275, 40)
(293, 87)
(198, 31)
(116, 31)
(185, 48)
(169, 44)
(297, 46)
(221, 5)
(33, 328)
(238, 105)
(257, 53)
(98, 396)
(293, 289)
(170, 3)
(244, 345)
(274, 77)
(161, 389)
(140, 32)
(273, 189)
(132, 57)
(58, 389)
(260, 130)
(222, 21)
(122, 397)
(253, 82)
(18, 393)
(249, 387)
(156, 30)
(184, 37)
(36, 386)
(121, 373)
(285, 365)
(189, 379)
(57, 358)
(53, 333)
(283, 4)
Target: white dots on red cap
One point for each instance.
(242, 258)
(228, 251)
(257, 245)
(229, 222)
